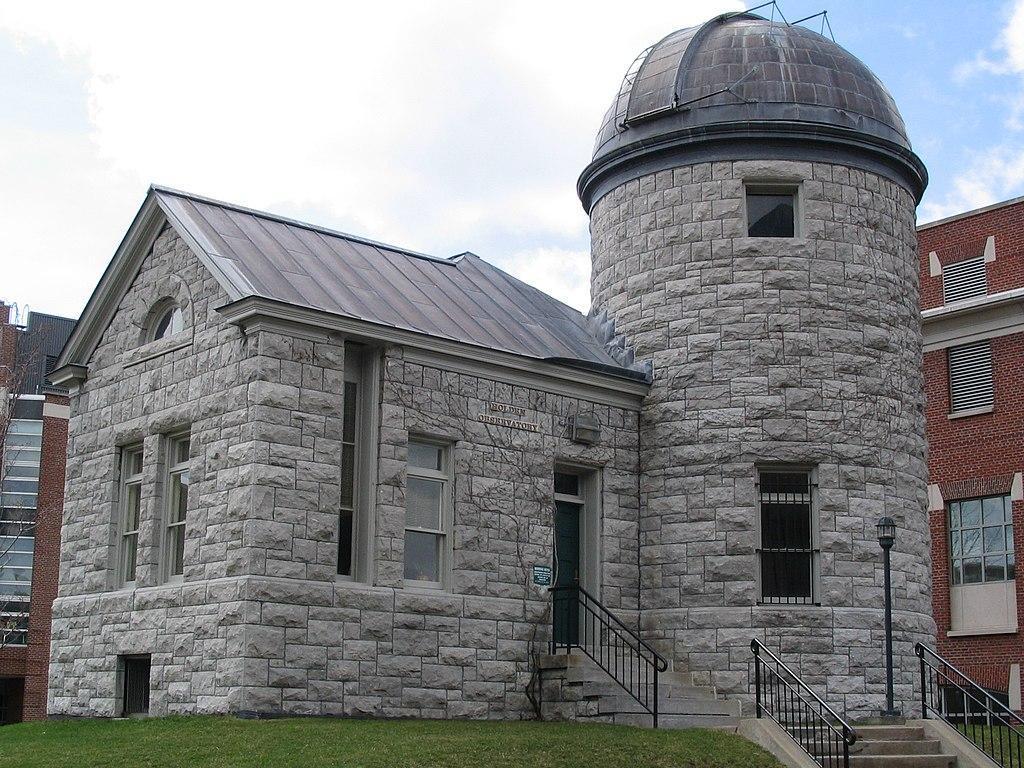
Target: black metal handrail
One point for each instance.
(783, 695)
(990, 725)
(613, 646)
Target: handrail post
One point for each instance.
(924, 690)
(656, 673)
(757, 676)
(846, 747)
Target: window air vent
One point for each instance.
(964, 280)
(970, 377)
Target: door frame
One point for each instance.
(590, 523)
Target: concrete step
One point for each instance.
(677, 722)
(902, 761)
(897, 747)
(607, 687)
(670, 706)
(591, 671)
(889, 732)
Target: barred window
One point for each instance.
(971, 380)
(981, 540)
(788, 554)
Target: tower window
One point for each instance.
(788, 553)
(771, 211)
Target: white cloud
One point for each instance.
(557, 271)
(992, 175)
(439, 126)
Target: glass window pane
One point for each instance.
(994, 539)
(770, 215)
(179, 497)
(1011, 569)
(16, 557)
(181, 449)
(25, 427)
(422, 556)
(21, 485)
(957, 577)
(970, 513)
(954, 544)
(350, 411)
(992, 510)
(28, 441)
(177, 550)
(972, 570)
(423, 503)
(129, 553)
(345, 543)
(1009, 537)
(995, 568)
(348, 474)
(954, 515)
(22, 470)
(567, 484)
(425, 455)
(786, 575)
(132, 507)
(972, 541)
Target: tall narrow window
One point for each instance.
(20, 473)
(177, 504)
(787, 550)
(771, 211)
(971, 386)
(426, 513)
(131, 512)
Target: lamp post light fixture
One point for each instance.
(886, 527)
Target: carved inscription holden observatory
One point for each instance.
(507, 421)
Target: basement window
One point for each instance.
(771, 211)
(135, 686)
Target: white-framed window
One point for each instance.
(772, 210)
(168, 319)
(176, 504)
(971, 378)
(788, 551)
(427, 513)
(130, 509)
(981, 540)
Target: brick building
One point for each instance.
(33, 448)
(972, 297)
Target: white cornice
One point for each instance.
(985, 317)
(255, 313)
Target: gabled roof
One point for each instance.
(257, 254)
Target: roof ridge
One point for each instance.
(160, 188)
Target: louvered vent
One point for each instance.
(970, 377)
(964, 280)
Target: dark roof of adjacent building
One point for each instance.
(39, 345)
(462, 298)
(741, 76)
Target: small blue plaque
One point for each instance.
(542, 575)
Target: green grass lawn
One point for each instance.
(224, 742)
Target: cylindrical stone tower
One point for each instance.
(752, 202)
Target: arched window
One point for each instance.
(169, 321)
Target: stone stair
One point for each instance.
(576, 688)
(897, 746)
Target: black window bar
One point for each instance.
(784, 697)
(579, 620)
(979, 716)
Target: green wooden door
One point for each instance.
(567, 571)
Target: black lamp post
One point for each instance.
(886, 537)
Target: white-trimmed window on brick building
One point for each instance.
(358, 462)
(963, 280)
(982, 561)
(176, 485)
(971, 379)
(788, 551)
(18, 495)
(129, 503)
(428, 500)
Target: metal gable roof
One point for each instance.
(463, 298)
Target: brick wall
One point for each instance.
(976, 455)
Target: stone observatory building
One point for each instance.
(311, 473)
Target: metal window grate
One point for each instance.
(136, 685)
(970, 377)
(964, 280)
(787, 551)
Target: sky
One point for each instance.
(442, 127)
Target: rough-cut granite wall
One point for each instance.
(803, 350)
(259, 623)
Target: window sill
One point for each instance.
(789, 606)
(981, 632)
(157, 348)
(972, 412)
